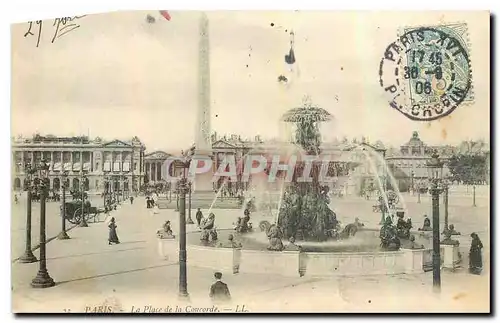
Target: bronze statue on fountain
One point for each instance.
(403, 227)
(243, 225)
(305, 213)
(389, 239)
(166, 232)
(275, 235)
(208, 229)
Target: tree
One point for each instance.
(468, 168)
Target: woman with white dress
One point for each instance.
(156, 209)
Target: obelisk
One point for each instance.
(203, 142)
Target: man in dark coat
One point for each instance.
(219, 293)
(199, 216)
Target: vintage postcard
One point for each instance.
(251, 161)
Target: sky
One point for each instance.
(118, 76)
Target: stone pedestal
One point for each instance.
(415, 260)
(168, 249)
(451, 258)
(203, 181)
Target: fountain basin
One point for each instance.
(294, 263)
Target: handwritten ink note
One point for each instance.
(38, 32)
(60, 27)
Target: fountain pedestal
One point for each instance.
(168, 248)
(451, 257)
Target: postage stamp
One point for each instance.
(427, 71)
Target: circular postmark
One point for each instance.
(426, 73)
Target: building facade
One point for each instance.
(153, 163)
(353, 165)
(87, 162)
(408, 165)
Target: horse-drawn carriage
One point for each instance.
(74, 211)
(77, 195)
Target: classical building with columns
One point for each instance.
(153, 166)
(119, 162)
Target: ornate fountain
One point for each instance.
(302, 235)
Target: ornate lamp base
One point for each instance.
(63, 236)
(42, 280)
(83, 224)
(28, 257)
(184, 296)
(189, 221)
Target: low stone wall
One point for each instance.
(404, 261)
(427, 259)
(285, 263)
(294, 263)
(220, 259)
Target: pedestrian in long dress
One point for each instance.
(475, 257)
(156, 209)
(113, 237)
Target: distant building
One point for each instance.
(349, 162)
(153, 166)
(409, 164)
(121, 162)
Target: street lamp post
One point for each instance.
(418, 192)
(177, 196)
(125, 196)
(123, 189)
(83, 221)
(435, 168)
(445, 202)
(183, 293)
(117, 194)
(28, 255)
(474, 195)
(189, 219)
(43, 279)
(183, 189)
(63, 235)
(412, 182)
(105, 192)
